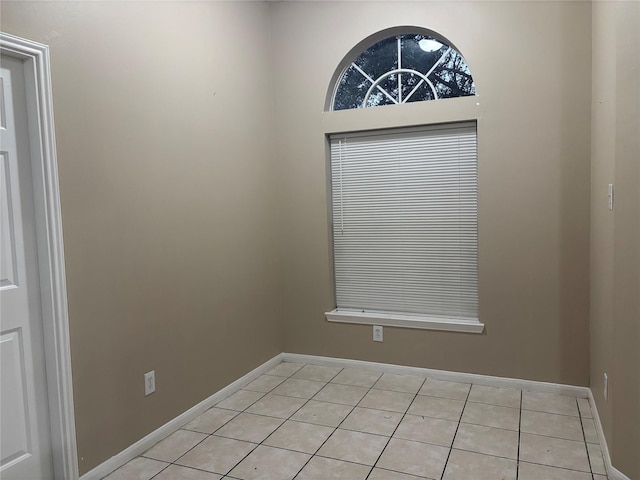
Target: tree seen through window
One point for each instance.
(403, 68)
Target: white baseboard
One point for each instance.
(154, 437)
(530, 385)
(144, 444)
(612, 472)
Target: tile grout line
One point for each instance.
(466, 400)
(389, 411)
(584, 437)
(395, 429)
(519, 435)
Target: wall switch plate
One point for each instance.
(377, 333)
(606, 387)
(149, 382)
(610, 196)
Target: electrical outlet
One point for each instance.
(377, 333)
(606, 387)
(149, 382)
(610, 196)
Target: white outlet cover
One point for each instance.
(377, 333)
(606, 386)
(149, 382)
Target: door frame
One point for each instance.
(50, 246)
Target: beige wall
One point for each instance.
(615, 235)
(193, 171)
(532, 65)
(168, 203)
(602, 173)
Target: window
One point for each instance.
(404, 210)
(412, 67)
(405, 200)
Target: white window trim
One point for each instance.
(389, 319)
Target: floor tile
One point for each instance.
(530, 471)
(386, 400)
(176, 472)
(320, 468)
(216, 454)
(268, 463)
(590, 432)
(322, 413)
(487, 440)
(414, 458)
(399, 383)
(295, 387)
(285, 369)
(211, 420)
(551, 425)
(584, 408)
(264, 383)
(175, 445)
(355, 447)
(282, 426)
(554, 452)
(596, 459)
(437, 407)
(426, 429)
(138, 469)
(505, 397)
(318, 373)
(549, 403)
(381, 474)
(276, 406)
(440, 388)
(344, 394)
(369, 420)
(239, 400)
(468, 465)
(249, 427)
(357, 377)
(298, 436)
(491, 416)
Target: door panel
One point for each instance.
(15, 424)
(25, 446)
(7, 237)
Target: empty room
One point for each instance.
(360, 240)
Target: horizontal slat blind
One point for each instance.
(405, 221)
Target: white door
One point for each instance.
(25, 448)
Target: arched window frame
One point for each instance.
(350, 59)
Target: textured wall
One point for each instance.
(193, 171)
(532, 65)
(615, 235)
(168, 203)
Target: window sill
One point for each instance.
(388, 319)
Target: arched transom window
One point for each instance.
(411, 67)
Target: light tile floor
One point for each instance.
(311, 422)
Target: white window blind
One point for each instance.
(405, 221)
